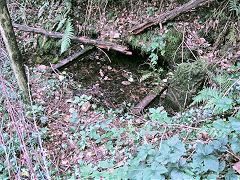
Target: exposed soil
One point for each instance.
(111, 83)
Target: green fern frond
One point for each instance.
(223, 81)
(214, 100)
(42, 8)
(207, 94)
(233, 5)
(61, 23)
(66, 40)
(68, 4)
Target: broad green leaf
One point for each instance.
(174, 157)
(200, 148)
(222, 125)
(156, 176)
(235, 122)
(161, 170)
(208, 149)
(224, 104)
(173, 140)
(105, 164)
(235, 144)
(43, 119)
(147, 172)
(104, 174)
(224, 140)
(73, 120)
(222, 166)
(220, 145)
(231, 175)
(152, 152)
(212, 163)
(74, 115)
(86, 171)
(212, 177)
(164, 148)
(177, 174)
(198, 158)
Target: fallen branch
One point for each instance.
(149, 98)
(221, 35)
(71, 59)
(100, 44)
(163, 18)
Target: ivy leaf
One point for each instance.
(235, 122)
(198, 158)
(173, 140)
(177, 174)
(200, 148)
(224, 104)
(231, 175)
(147, 172)
(212, 163)
(222, 166)
(219, 146)
(208, 149)
(105, 164)
(43, 119)
(222, 125)
(212, 176)
(235, 144)
(158, 168)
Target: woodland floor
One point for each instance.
(106, 80)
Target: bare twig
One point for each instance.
(104, 54)
(85, 40)
(164, 17)
(38, 133)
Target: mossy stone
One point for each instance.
(185, 84)
(173, 49)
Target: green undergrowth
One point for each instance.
(174, 49)
(166, 47)
(200, 143)
(149, 43)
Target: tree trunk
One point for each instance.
(15, 55)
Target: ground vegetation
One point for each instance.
(81, 121)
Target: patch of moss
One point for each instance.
(145, 41)
(173, 54)
(185, 84)
(167, 45)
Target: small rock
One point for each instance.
(64, 162)
(101, 73)
(42, 67)
(126, 83)
(86, 107)
(115, 35)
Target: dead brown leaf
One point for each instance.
(236, 167)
